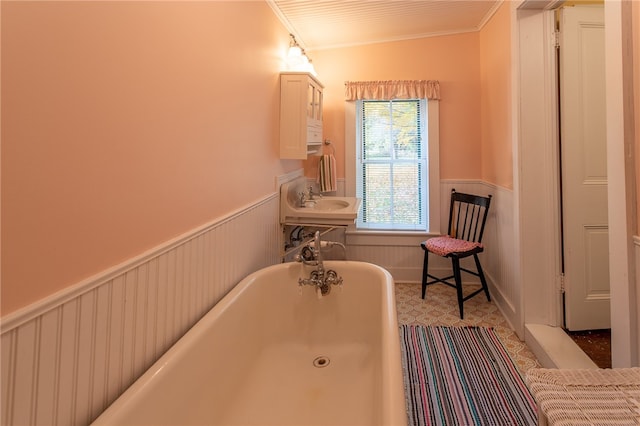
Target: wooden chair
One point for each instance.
(467, 217)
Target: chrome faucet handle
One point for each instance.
(332, 278)
(313, 195)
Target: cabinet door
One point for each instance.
(293, 116)
(314, 99)
(311, 92)
(318, 104)
(300, 116)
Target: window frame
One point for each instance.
(392, 162)
(362, 236)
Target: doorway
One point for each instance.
(536, 192)
(583, 177)
(583, 165)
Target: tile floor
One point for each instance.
(440, 307)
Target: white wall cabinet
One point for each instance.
(300, 115)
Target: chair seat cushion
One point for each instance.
(444, 246)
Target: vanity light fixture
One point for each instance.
(297, 59)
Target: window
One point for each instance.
(392, 164)
(397, 237)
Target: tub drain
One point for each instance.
(321, 361)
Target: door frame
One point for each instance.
(536, 179)
(622, 190)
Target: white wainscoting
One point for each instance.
(499, 262)
(403, 257)
(65, 359)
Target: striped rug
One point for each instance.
(462, 376)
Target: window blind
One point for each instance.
(392, 164)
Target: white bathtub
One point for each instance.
(250, 360)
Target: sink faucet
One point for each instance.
(313, 195)
(309, 195)
(319, 278)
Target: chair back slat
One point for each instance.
(468, 216)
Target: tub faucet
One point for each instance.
(317, 252)
(319, 278)
(310, 253)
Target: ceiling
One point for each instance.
(322, 24)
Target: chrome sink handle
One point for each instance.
(313, 195)
(302, 197)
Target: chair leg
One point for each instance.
(425, 266)
(482, 279)
(456, 274)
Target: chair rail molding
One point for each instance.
(66, 358)
(402, 256)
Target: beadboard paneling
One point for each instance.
(405, 261)
(499, 262)
(66, 359)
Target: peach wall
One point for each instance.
(125, 124)
(453, 60)
(495, 77)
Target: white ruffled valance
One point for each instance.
(388, 90)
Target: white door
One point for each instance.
(584, 168)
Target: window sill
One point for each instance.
(387, 238)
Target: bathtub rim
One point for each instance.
(394, 409)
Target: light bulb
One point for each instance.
(294, 52)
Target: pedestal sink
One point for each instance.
(325, 210)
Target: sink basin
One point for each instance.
(333, 211)
(331, 203)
